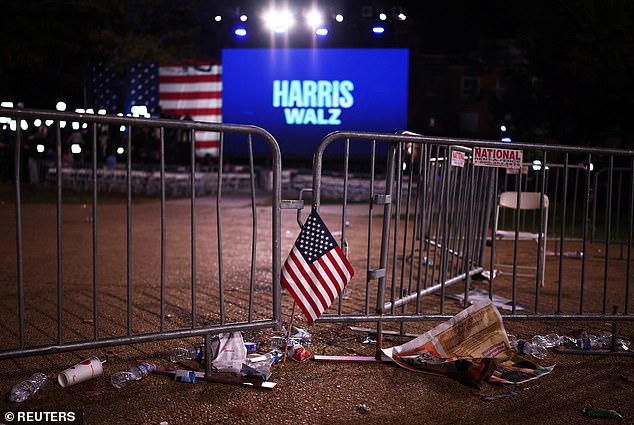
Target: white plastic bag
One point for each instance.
(228, 352)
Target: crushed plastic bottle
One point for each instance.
(136, 373)
(25, 389)
(524, 347)
(268, 359)
(588, 341)
(190, 352)
(259, 365)
(550, 340)
(300, 335)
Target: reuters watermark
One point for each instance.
(42, 417)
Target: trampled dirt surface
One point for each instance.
(307, 393)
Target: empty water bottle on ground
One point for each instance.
(136, 373)
(267, 360)
(23, 390)
(186, 352)
(587, 341)
(524, 347)
(550, 340)
(259, 365)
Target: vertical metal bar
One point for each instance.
(370, 222)
(584, 231)
(429, 187)
(516, 239)
(562, 234)
(436, 197)
(192, 136)
(542, 236)
(208, 355)
(619, 190)
(469, 232)
(443, 220)
(608, 231)
(344, 243)
(396, 198)
(221, 297)
(416, 230)
(254, 229)
(387, 213)
(418, 225)
(595, 194)
(493, 233)
(406, 232)
(453, 212)
(95, 240)
(574, 204)
(555, 201)
(422, 190)
(628, 279)
(276, 217)
(18, 228)
(60, 292)
(129, 226)
(163, 231)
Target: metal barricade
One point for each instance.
(83, 270)
(431, 224)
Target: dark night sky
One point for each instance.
(582, 50)
(47, 44)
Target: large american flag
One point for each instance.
(194, 92)
(183, 92)
(316, 269)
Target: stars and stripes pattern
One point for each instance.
(194, 92)
(104, 88)
(316, 269)
(143, 87)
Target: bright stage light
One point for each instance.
(339, 17)
(377, 29)
(314, 19)
(322, 32)
(240, 32)
(279, 20)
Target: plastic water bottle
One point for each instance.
(263, 360)
(550, 340)
(192, 352)
(136, 373)
(588, 341)
(525, 347)
(259, 365)
(23, 390)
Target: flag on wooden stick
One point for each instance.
(316, 269)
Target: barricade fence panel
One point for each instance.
(422, 241)
(88, 268)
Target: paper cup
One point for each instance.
(81, 372)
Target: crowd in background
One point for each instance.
(38, 149)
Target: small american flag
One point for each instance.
(194, 92)
(316, 269)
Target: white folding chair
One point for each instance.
(527, 201)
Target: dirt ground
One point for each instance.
(315, 392)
